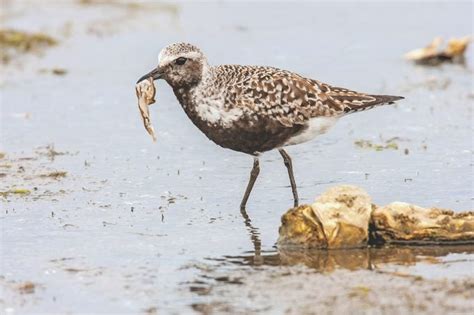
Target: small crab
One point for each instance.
(146, 96)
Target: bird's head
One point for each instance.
(180, 64)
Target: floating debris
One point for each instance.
(15, 191)
(344, 217)
(367, 144)
(146, 96)
(55, 71)
(49, 152)
(20, 191)
(432, 55)
(151, 310)
(360, 291)
(170, 8)
(26, 287)
(59, 71)
(55, 175)
(13, 42)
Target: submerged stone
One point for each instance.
(400, 222)
(344, 217)
(338, 219)
(433, 55)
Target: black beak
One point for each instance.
(156, 74)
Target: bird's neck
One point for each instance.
(205, 103)
(189, 95)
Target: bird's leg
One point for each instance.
(253, 177)
(289, 166)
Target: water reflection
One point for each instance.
(352, 259)
(254, 237)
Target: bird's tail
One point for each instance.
(376, 100)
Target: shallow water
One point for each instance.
(134, 225)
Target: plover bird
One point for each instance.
(254, 109)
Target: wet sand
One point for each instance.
(96, 218)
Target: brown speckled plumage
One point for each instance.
(253, 109)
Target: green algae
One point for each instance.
(14, 42)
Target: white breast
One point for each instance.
(315, 127)
(213, 110)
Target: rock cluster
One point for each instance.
(344, 217)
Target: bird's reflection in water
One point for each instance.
(257, 258)
(351, 259)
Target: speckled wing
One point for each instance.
(293, 100)
(351, 101)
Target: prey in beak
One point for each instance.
(155, 74)
(145, 91)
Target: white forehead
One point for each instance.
(177, 50)
(164, 58)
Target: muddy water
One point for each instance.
(141, 227)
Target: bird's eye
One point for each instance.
(180, 61)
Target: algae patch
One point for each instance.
(55, 175)
(16, 191)
(367, 144)
(31, 176)
(14, 42)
